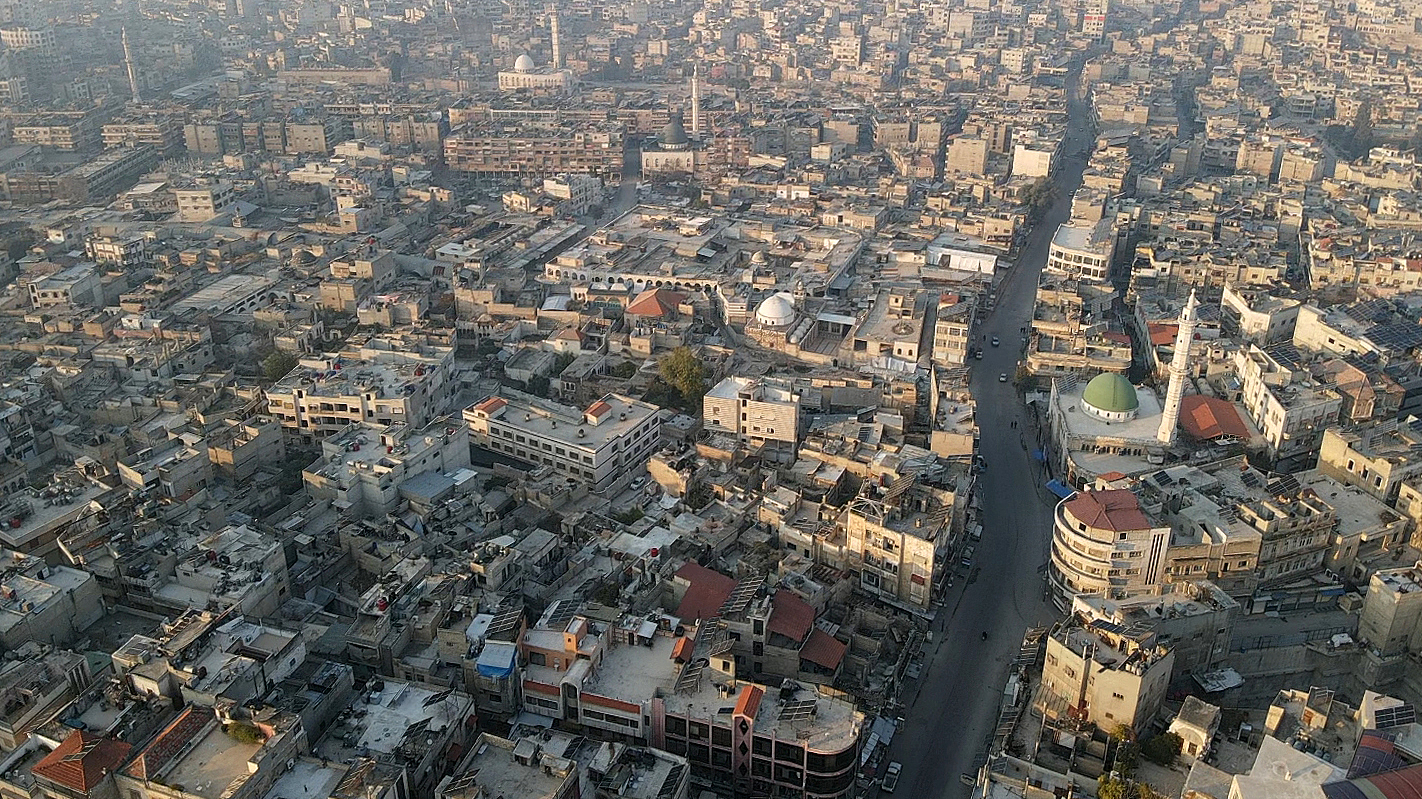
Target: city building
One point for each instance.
(605, 445)
(1095, 672)
(763, 414)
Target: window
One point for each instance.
(537, 659)
(721, 736)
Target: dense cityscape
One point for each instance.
(710, 399)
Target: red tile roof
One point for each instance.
(1163, 335)
(1111, 476)
(681, 650)
(1208, 418)
(749, 702)
(790, 615)
(491, 404)
(656, 302)
(598, 409)
(169, 742)
(1405, 783)
(1116, 510)
(823, 650)
(708, 592)
(82, 761)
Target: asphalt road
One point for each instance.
(947, 723)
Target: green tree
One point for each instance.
(1162, 749)
(623, 370)
(562, 362)
(277, 365)
(244, 733)
(684, 372)
(1038, 198)
(538, 385)
(1109, 787)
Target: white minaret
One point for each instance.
(132, 71)
(1179, 367)
(696, 102)
(553, 34)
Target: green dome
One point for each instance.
(1111, 393)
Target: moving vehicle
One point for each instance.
(891, 777)
(996, 341)
(1002, 378)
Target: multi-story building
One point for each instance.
(953, 329)
(1258, 316)
(1083, 251)
(1103, 544)
(204, 201)
(383, 380)
(1392, 609)
(240, 448)
(1378, 457)
(1098, 673)
(163, 133)
(636, 681)
(897, 538)
(1195, 619)
(535, 152)
(1289, 408)
(363, 471)
(50, 604)
(761, 413)
(603, 445)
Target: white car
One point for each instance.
(891, 777)
(1002, 378)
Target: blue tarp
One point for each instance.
(1059, 488)
(1039, 456)
(498, 659)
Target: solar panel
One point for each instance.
(505, 621)
(794, 711)
(1287, 485)
(1251, 479)
(671, 783)
(1395, 716)
(561, 613)
(741, 596)
(462, 782)
(690, 676)
(434, 699)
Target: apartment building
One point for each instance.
(953, 329)
(1377, 458)
(205, 201)
(604, 445)
(762, 413)
(535, 152)
(1290, 410)
(1082, 251)
(367, 471)
(1099, 673)
(897, 538)
(1103, 544)
(383, 380)
(1195, 619)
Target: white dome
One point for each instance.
(524, 64)
(777, 310)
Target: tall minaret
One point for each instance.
(553, 34)
(132, 71)
(696, 102)
(1179, 367)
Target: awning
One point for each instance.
(1039, 456)
(1060, 489)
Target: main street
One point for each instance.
(947, 724)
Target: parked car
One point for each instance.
(996, 341)
(1002, 378)
(891, 777)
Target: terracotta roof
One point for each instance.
(791, 616)
(656, 302)
(823, 650)
(598, 408)
(491, 404)
(681, 650)
(1163, 335)
(1207, 418)
(1116, 510)
(749, 702)
(1109, 476)
(569, 334)
(1405, 783)
(169, 742)
(82, 760)
(708, 591)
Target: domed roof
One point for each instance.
(1111, 393)
(777, 310)
(674, 133)
(524, 64)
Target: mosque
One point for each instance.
(526, 75)
(673, 151)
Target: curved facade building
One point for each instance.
(1103, 544)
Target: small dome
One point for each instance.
(673, 134)
(524, 64)
(1110, 396)
(758, 257)
(777, 310)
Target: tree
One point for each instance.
(278, 365)
(1038, 198)
(538, 385)
(244, 733)
(684, 372)
(1162, 749)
